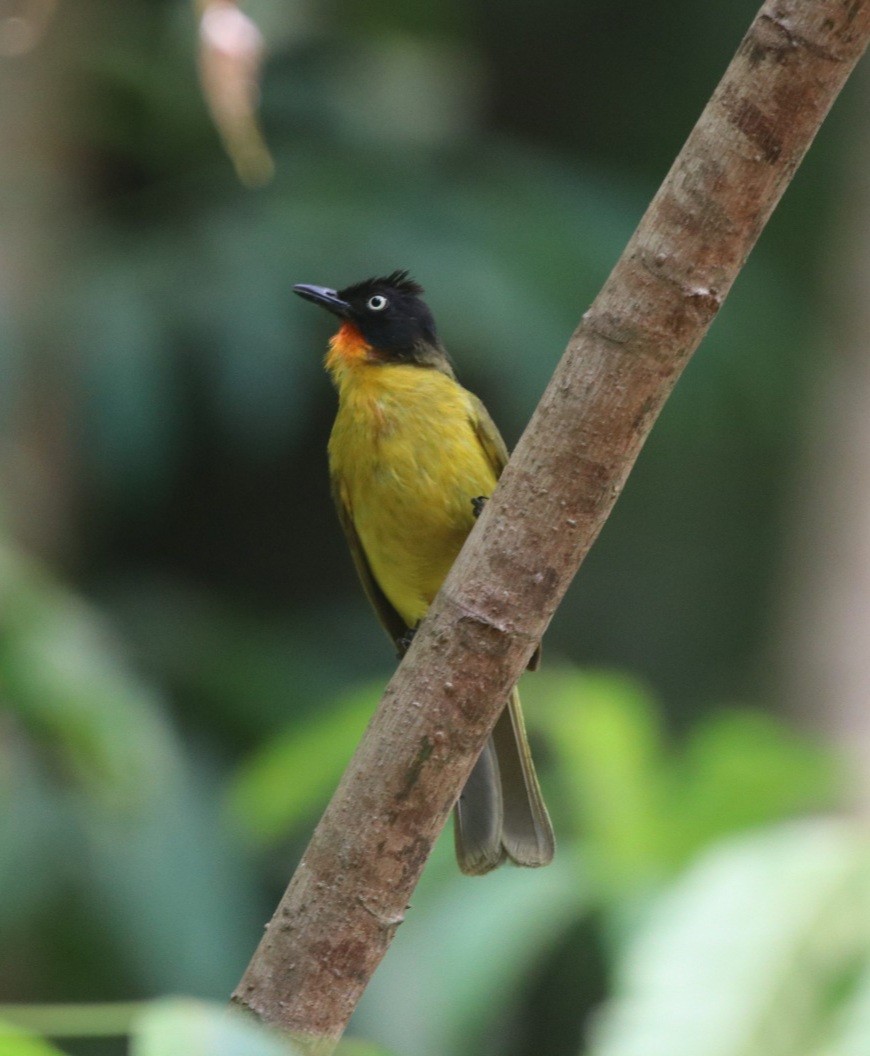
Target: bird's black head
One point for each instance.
(388, 313)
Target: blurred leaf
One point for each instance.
(850, 1035)
(79, 1020)
(605, 734)
(143, 846)
(457, 962)
(16, 1042)
(751, 953)
(742, 768)
(645, 807)
(294, 774)
(352, 1047)
(63, 675)
(195, 1028)
(173, 888)
(36, 841)
(174, 1027)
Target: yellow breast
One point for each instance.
(406, 462)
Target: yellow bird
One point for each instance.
(412, 456)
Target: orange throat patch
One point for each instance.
(347, 348)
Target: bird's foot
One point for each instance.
(478, 504)
(403, 642)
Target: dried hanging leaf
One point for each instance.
(231, 50)
(22, 25)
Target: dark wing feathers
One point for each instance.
(489, 437)
(497, 453)
(390, 620)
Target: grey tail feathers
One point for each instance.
(501, 813)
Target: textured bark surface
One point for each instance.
(350, 892)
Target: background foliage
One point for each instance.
(186, 660)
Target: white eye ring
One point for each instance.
(376, 303)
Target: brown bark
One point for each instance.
(350, 892)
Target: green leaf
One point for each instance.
(742, 769)
(68, 686)
(645, 807)
(196, 1028)
(17, 1042)
(353, 1047)
(293, 775)
(751, 953)
(850, 1035)
(605, 734)
(64, 675)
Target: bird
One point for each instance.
(412, 457)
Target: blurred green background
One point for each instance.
(186, 660)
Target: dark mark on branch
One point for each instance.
(754, 124)
(414, 770)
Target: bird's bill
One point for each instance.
(326, 298)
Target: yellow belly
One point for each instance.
(407, 462)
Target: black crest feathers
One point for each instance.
(398, 280)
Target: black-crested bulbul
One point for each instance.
(411, 455)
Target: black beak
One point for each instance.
(326, 298)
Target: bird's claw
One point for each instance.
(403, 642)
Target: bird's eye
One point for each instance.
(376, 303)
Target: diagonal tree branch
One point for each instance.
(350, 892)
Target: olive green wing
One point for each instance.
(496, 452)
(489, 437)
(390, 620)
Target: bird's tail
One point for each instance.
(501, 813)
